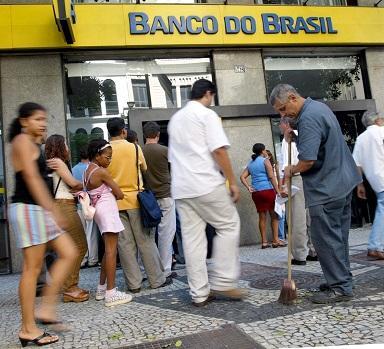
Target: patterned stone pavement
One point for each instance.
(164, 318)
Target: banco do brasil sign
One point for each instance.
(269, 23)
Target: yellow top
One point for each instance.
(123, 169)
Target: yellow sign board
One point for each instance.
(123, 25)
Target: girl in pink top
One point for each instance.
(103, 192)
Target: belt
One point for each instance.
(65, 201)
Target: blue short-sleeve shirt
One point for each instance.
(334, 173)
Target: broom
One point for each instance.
(288, 292)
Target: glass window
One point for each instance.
(324, 78)
(99, 89)
(140, 93)
(110, 97)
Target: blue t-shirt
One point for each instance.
(260, 180)
(78, 170)
(334, 173)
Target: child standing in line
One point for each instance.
(103, 192)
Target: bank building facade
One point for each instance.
(87, 61)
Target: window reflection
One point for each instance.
(325, 78)
(98, 90)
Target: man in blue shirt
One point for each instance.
(329, 175)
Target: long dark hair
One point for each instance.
(25, 111)
(257, 149)
(55, 148)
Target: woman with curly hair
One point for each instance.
(57, 154)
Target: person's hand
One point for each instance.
(251, 190)
(56, 164)
(361, 194)
(235, 192)
(288, 173)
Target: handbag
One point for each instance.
(85, 201)
(149, 208)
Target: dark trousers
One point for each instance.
(330, 225)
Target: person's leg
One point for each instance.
(345, 226)
(179, 240)
(86, 228)
(262, 227)
(67, 255)
(32, 261)
(149, 253)
(282, 227)
(311, 249)
(299, 224)
(110, 242)
(76, 231)
(195, 250)
(127, 246)
(166, 232)
(274, 226)
(217, 209)
(328, 239)
(376, 241)
(93, 243)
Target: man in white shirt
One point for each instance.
(369, 157)
(199, 167)
(302, 247)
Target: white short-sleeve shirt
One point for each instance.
(194, 133)
(368, 154)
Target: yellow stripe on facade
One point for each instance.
(108, 26)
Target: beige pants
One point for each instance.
(301, 241)
(136, 238)
(217, 209)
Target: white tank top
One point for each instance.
(62, 190)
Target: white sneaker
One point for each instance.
(100, 293)
(117, 298)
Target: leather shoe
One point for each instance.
(235, 293)
(330, 296)
(134, 290)
(210, 298)
(377, 255)
(312, 258)
(76, 296)
(297, 262)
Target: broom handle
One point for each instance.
(289, 212)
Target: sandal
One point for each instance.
(265, 245)
(278, 244)
(37, 341)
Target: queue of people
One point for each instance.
(194, 185)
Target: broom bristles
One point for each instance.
(288, 293)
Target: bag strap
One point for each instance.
(85, 182)
(57, 188)
(137, 166)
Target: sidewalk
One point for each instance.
(164, 318)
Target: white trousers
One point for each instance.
(91, 231)
(166, 233)
(217, 209)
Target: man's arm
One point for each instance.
(300, 167)
(361, 193)
(221, 157)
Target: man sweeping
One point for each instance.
(329, 175)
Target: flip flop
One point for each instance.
(24, 341)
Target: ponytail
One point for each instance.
(25, 110)
(14, 129)
(254, 156)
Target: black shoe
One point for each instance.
(296, 262)
(210, 298)
(330, 297)
(173, 275)
(168, 281)
(324, 287)
(134, 290)
(312, 258)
